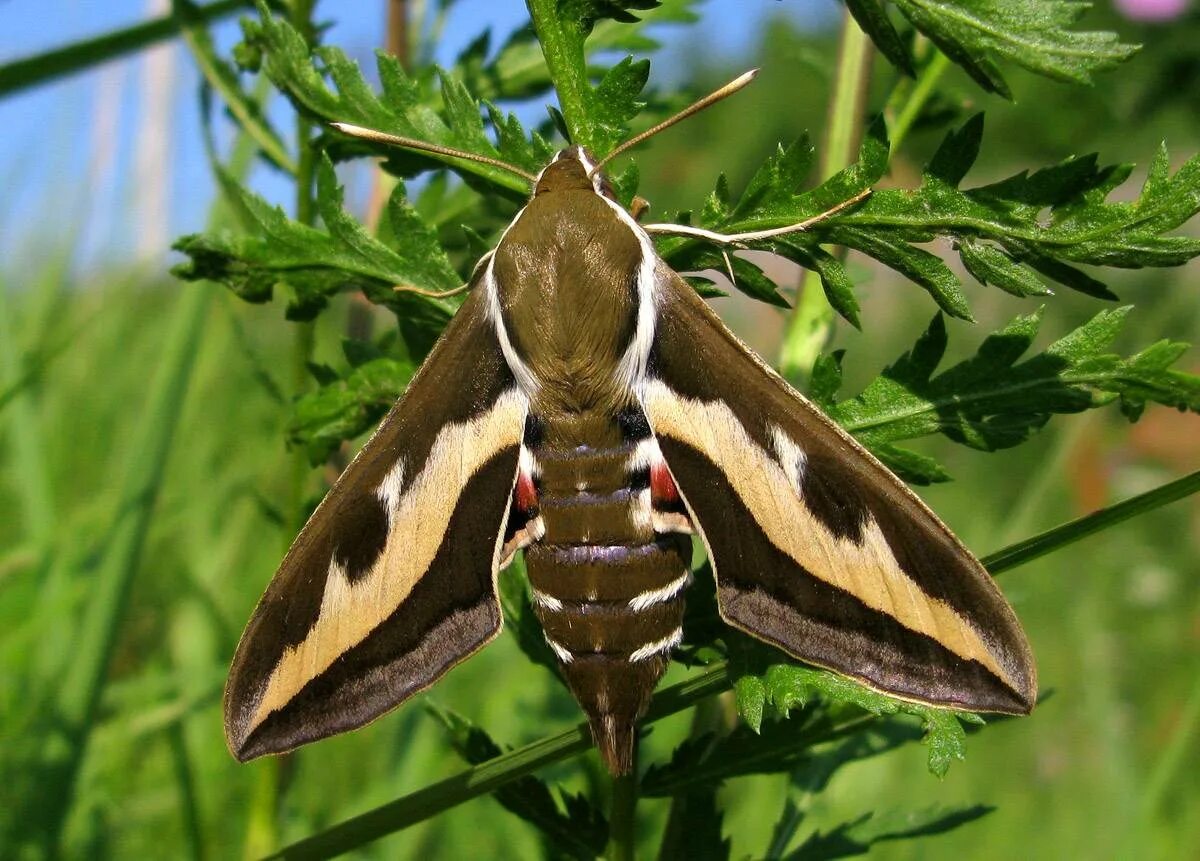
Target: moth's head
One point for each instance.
(573, 169)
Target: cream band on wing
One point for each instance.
(418, 518)
(868, 570)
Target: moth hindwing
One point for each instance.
(586, 407)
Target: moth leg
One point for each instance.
(753, 235)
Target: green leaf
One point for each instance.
(574, 828)
(1001, 230)
(695, 828)
(995, 400)
(223, 78)
(815, 748)
(408, 106)
(874, 21)
(315, 263)
(856, 838)
(345, 408)
(1033, 34)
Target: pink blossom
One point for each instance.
(1152, 10)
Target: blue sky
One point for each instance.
(74, 174)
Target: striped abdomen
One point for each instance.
(607, 587)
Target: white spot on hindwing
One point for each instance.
(645, 455)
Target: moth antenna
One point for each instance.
(432, 294)
(424, 146)
(711, 99)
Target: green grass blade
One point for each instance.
(222, 77)
(80, 689)
(1076, 530)
(30, 71)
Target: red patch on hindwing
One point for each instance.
(663, 492)
(526, 493)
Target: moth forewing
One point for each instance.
(816, 547)
(392, 580)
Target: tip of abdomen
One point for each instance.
(614, 693)
(615, 739)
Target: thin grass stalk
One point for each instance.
(811, 323)
(118, 561)
(29, 72)
(262, 834)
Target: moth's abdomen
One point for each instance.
(607, 587)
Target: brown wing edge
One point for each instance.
(766, 594)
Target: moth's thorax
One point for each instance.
(566, 282)
(573, 169)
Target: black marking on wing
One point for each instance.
(462, 379)
(451, 612)
(765, 592)
(361, 536)
(633, 423)
(840, 509)
(698, 358)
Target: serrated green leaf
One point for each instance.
(616, 96)
(1000, 230)
(815, 749)
(316, 263)
(408, 106)
(574, 828)
(991, 265)
(344, 408)
(1033, 34)
(826, 379)
(750, 699)
(913, 468)
(994, 400)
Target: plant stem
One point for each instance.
(925, 86)
(1080, 528)
(622, 816)
(811, 323)
(56, 63)
(305, 334)
(491, 775)
(502, 770)
(562, 46)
